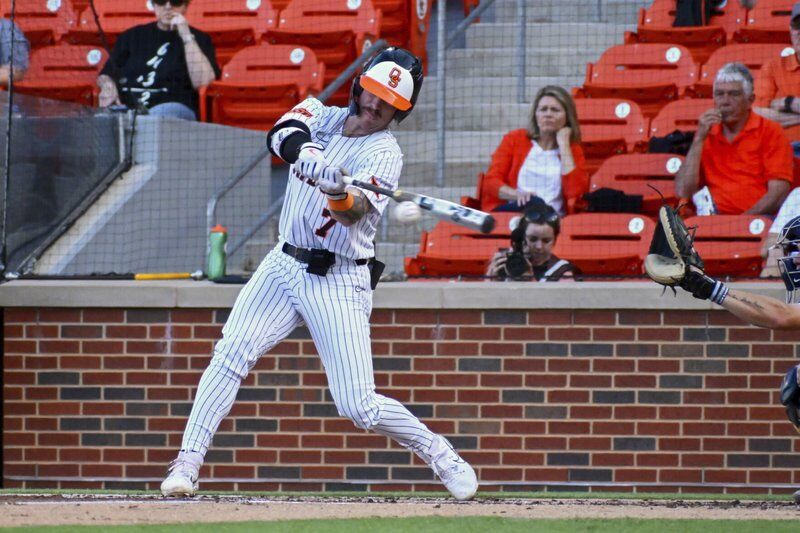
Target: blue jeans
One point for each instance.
(796, 148)
(173, 110)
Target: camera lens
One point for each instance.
(516, 266)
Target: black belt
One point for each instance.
(305, 255)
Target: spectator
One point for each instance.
(531, 253)
(8, 32)
(545, 160)
(744, 159)
(160, 65)
(778, 87)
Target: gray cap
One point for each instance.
(795, 12)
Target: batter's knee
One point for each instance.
(362, 409)
(235, 354)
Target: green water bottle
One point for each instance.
(218, 239)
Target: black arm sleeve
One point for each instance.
(290, 146)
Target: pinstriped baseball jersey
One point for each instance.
(305, 220)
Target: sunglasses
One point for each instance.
(173, 3)
(539, 217)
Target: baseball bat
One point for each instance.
(443, 209)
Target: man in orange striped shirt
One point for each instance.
(745, 160)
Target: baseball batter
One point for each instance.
(322, 272)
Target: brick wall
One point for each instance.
(98, 397)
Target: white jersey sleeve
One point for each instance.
(380, 164)
(310, 112)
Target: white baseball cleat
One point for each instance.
(456, 474)
(182, 477)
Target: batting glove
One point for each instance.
(329, 179)
(311, 151)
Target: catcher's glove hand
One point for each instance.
(790, 397)
(671, 250)
(673, 261)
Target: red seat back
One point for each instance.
(453, 250)
(260, 83)
(64, 72)
(730, 245)
(42, 22)
(649, 74)
(602, 119)
(753, 56)
(656, 26)
(767, 22)
(605, 244)
(115, 17)
(649, 175)
(681, 115)
(232, 24)
(337, 30)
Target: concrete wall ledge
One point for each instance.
(390, 295)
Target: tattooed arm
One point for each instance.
(350, 210)
(762, 311)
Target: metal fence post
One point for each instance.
(522, 54)
(440, 90)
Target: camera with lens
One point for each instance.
(517, 265)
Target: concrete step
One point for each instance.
(492, 116)
(458, 173)
(580, 35)
(557, 61)
(484, 89)
(618, 11)
(464, 145)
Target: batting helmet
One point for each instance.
(393, 75)
(789, 241)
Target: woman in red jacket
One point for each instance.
(544, 160)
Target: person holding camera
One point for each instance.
(531, 253)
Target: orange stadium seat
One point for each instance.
(644, 174)
(259, 84)
(656, 26)
(115, 17)
(453, 250)
(64, 72)
(232, 24)
(767, 22)
(337, 30)
(681, 115)
(649, 74)
(754, 56)
(730, 245)
(610, 126)
(42, 22)
(605, 244)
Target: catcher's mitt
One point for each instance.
(671, 251)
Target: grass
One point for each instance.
(550, 495)
(449, 525)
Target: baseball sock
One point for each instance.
(398, 423)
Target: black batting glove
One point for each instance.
(704, 287)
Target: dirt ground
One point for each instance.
(28, 510)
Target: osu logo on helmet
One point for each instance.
(394, 78)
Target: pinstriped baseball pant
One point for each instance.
(336, 308)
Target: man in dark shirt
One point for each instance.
(160, 65)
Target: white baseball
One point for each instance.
(407, 213)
